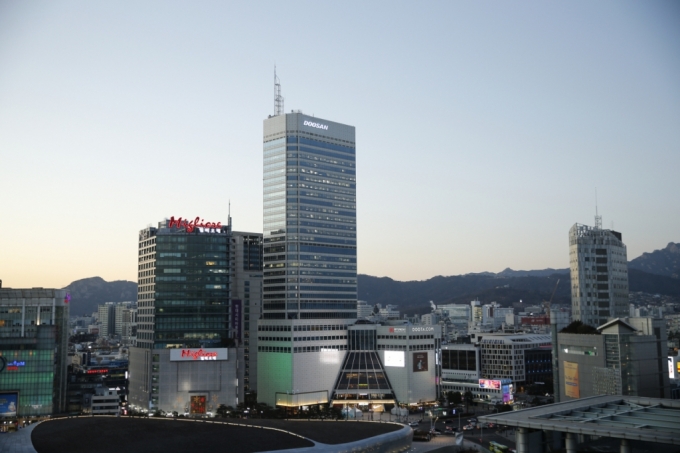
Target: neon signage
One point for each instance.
(316, 125)
(191, 225)
(104, 371)
(198, 354)
(14, 366)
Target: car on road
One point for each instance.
(414, 424)
(436, 432)
(468, 428)
(472, 420)
(421, 434)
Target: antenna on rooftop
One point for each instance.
(598, 218)
(278, 99)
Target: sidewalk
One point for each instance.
(19, 441)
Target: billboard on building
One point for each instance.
(571, 386)
(8, 404)
(671, 368)
(419, 361)
(189, 354)
(198, 404)
(489, 384)
(394, 358)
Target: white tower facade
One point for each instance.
(599, 274)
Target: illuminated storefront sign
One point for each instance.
(99, 371)
(316, 125)
(14, 366)
(177, 355)
(198, 222)
(489, 384)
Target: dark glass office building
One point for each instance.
(184, 302)
(183, 291)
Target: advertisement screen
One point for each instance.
(419, 361)
(8, 404)
(394, 358)
(571, 386)
(489, 384)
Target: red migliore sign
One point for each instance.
(181, 354)
(190, 225)
(199, 355)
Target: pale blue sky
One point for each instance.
(483, 128)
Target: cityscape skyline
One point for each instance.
(487, 129)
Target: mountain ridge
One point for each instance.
(507, 287)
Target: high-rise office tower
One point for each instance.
(599, 274)
(247, 300)
(107, 319)
(184, 329)
(310, 256)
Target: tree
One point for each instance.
(222, 410)
(454, 397)
(579, 328)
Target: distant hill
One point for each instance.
(413, 297)
(87, 293)
(662, 262)
(656, 273)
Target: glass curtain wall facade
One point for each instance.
(33, 351)
(310, 230)
(184, 287)
(310, 254)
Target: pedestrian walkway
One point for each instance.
(18, 441)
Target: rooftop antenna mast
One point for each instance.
(598, 218)
(278, 99)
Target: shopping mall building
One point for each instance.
(33, 351)
(193, 322)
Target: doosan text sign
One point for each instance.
(194, 354)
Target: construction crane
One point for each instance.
(547, 304)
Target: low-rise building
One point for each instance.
(623, 357)
(104, 401)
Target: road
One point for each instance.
(472, 438)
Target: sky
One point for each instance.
(484, 129)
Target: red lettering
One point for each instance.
(190, 226)
(200, 354)
(173, 222)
